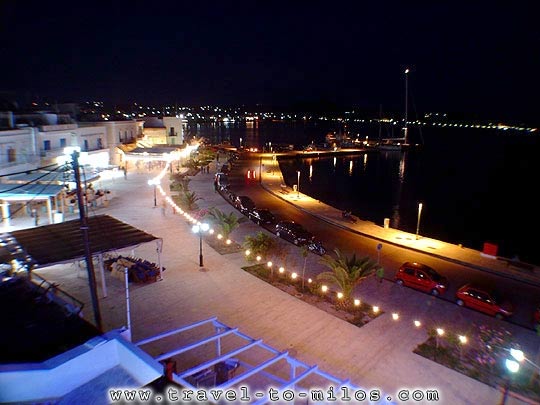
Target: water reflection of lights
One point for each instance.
(310, 172)
(335, 161)
(365, 161)
(402, 168)
(350, 167)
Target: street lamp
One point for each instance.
(405, 134)
(298, 185)
(200, 229)
(154, 183)
(418, 221)
(512, 366)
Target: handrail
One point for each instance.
(47, 286)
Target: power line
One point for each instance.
(28, 202)
(29, 171)
(29, 182)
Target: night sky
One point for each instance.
(479, 59)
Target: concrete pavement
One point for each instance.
(378, 354)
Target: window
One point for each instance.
(62, 142)
(171, 131)
(46, 145)
(85, 147)
(410, 272)
(99, 143)
(119, 136)
(12, 155)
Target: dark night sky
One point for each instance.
(480, 58)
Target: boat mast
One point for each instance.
(405, 129)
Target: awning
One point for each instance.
(53, 178)
(25, 192)
(63, 242)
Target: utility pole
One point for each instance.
(88, 254)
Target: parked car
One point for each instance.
(293, 232)
(221, 180)
(244, 204)
(421, 277)
(230, 195)
(316, 247)
(484, 300)
(261, 216)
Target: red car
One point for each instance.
(421, 277)
(484, 300)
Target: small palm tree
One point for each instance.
(188, 200)
(260, 244)
(227, 223)
(346, 273)
(179, 182)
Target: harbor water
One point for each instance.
(475, 185)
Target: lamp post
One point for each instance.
(200, 229)
(405, 129)
(153, 183)
(298, 184)
(418, 221)
(512, 366)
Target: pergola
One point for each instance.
(215, 356)
(60, 243)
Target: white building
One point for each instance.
(163, 131)
(18, 150)
(117, 133)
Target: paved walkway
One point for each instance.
(377, 355)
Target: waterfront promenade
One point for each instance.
(377, 355)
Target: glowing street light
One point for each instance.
(298, 185)
(154, 183)
(418, 221)
(200, 229)
(513, 367)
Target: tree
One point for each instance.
(188, 200)
(259, 244)
(227, 223)
(346, 273)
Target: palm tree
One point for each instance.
(188, 200)
(180, 183)
(259, 244)
(346, 273)
(227, 223)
